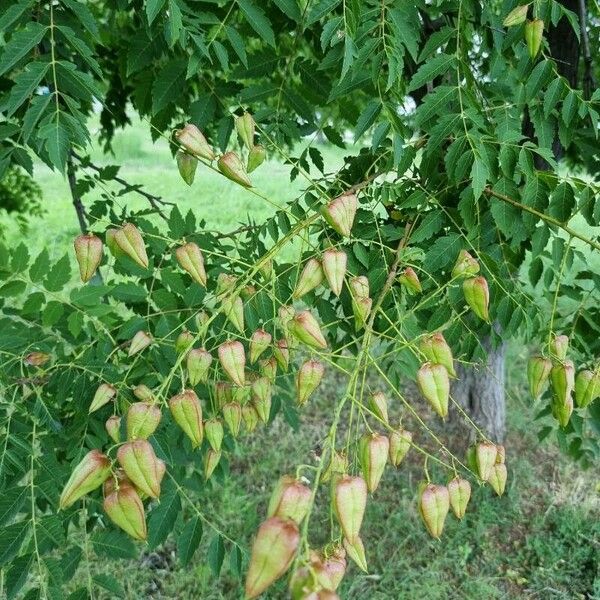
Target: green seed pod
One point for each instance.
(340, 213)
(433, 506)
(130, 241)
(266, 268)
(308, 379)
(244, 125)
(211, 460)
(142, 420)
(409, 279)
(250, 417)
(142, 466)
(187, 166)
(113, 428)
(534, 34)
(434, 384)
(190, 259)
(587, 387)
(232, 167)
(477, 296)
(104, 394)
(378, 406)
(338, 465)
(226, 282)
(125, 509)
(281, 353)
(140, 341)
(563, 380)
(285, 314)
(233, 361)
(261, 397)
(88, 475)
(232, 415)
(310, 277)
(373, 450)
(497, 478)
(213, 428)
(187, 413)
(349, 503)
(361, 308)
(306, 329)
(256, 157)
(268, 368)
(562, 410)
(465, 265)
(559, 346)
(538, 371)
(233, 309)
(516, 16)
(485, 454)
(359, 287)
(356, 551)
(330, 567)
(191, 138)
(400, 443)
(184, 341)
(202, 322)
(334, 268)
(501, 455)
(144, 393)
(111, 242)
(198, 363)
(224, 392)
(436, 350)
(459, 494)
(88, 252)
(259, 342)
(290, 500)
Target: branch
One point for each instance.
(79, 208)
(588, 77)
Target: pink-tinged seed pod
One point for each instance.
(410, 281)
(459, 494)
(587, 387)
(233, 168)
(125, 509)
(400, 443)
(261, 397)
(113, 428)
(248, 292)
(333, 568)
(273, 550)
(340, 213)
(224, 392)
(187, 413)
(349, 503)
(187, 166)
(433, 506)
(361, 309)
(356, 551)
(563, 380)
(259, 342)
(477, 296)
(562, 410)
(334, 267)
(485, 454)
(378, 406)
(310, 277)
(88, 475)
(501, 455)
(104, 394)
(36, 359)
(534, 34)
(337, 466)
(290, 500)
(306, 329)
(198, 363)
(434, 384)
(308, 379)
(226, 282)
(88, 252)
(359, 287)
(281, 352)
(116, 479)
(256, 157)
(232, 415)
(373, 450)
(130, 241)
(268, 368)
(213, 429)
(192, 139)
(497, 478)
(538, 372)
(140, 341)
(184, 341)
(244, 125)
(142, 420)
(211, 460)
(144, 393)
(465, 265)
(142, 466)
(516, 16)
(202, 320)
(559, 346)
(233, 361)
(285, 314)
(436, 350)
(233, 309)
(250, 417)
(190, 259)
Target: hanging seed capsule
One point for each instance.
(477, 296)
(338, 465)
(142, 420)
(356, 551)
(233, 361)
(266, 268)
(400, 443)
(290, 500)
(244, 125)
(516, 16)
(141, 466)
(250, 417)
(184, 341)
(88, 475)
(113, 428)
(268, 368)
(459, 494)
(497, 478)
(285, 314)
(409, 279)
(559, 346)
(198, 363)
(104, 394)
(256, 157)
(349, 503)
(361, 309)
(226, 282)
(359, 287)
(534, 34)
(310, 277)
(563, 380)
(233, 309)
(485, 454)
(378, 406)
(224, 392)
(187, 413)
(187, 166)
(125, 509)
(340, 213)
(281, 353)
(88, 252)
(501, 455)
(587, 387)
(273, 550)
(434, 384)
(233, 168)
(213, 428)
(261, 397)
(130, 241)
(562, 410)
(140, 341)
(472, 459)
(211, 460)
(333, 568)
(191, 138)
(259, 342)
(36, 359)
(308, 379)
(373, 450)
(465, 265)
(306, 329)
(248, 292)
(433, 506)
(436, 350)
(144, 393)
(190, 259)
(538, 371)
(232, 415)
(202, 322)
(334, 268)
(111, 242)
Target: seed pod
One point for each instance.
(268, 368)
(233, 168)
(501, 454)
(559, 346)
(587, 387)
(534, 34)
(273, 550)
(250, 417)
(434, 384)
(184, 341)
(497, 478)
(36, 359)
(333, 569)
(113, 428)
(187, 413)
(125, 509)
(516, 16)
(436, 350)
(281, 353)
(290, 500)
(472, 459)
(563, 380)
(142, 466)
(433, 506)
(198, 363)
(244, 125)
(88, 475)
(213, 428)
(459, 494)
(256, 157)
(140, 341)
(349, 503)
(308, 380)
(266, 268)
(232, 415)
(409, 279)
(187, 166)
(202, 322)
(359, 287)
(538, 371)
(191, 138)
(233, 309)
(130, 241)
(356, 551)
(261, 397)
(259, 342)
(373, 450)
(190, 259)
(485, 454)
(306, 329)
(88, 252)
(144, 393)
(378, 405)
(400, 443)
(361, 309)
(334, 268)
(477, 296)
(310, 277)
(211, 460)
(285, 314)
(465, 265)
(248, 292)
(562, 409)
(304, 583)
(142, 420)
(225, 283)
(111, 242)
(224, 392)
(340, 213)
(104, 394)
(233, 361)
(338, 465)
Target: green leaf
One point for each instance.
(163, 517)
(153, 7)
(113, 544)
(84, 15)
(13, 288)
(289, 8)
(322, 9)
(34, 113)
(20, 44)
(59, 275)
(553, 95)
(443, 252)
(18, 574)
(25, 84)
(562, 202)
(58, 142)
(141, 52)
(109, 583)
(540, 75)
(11, 501)
(216, 554)
(569, 107)
(169, 84)
(434, 67)
(479, 177)
(237, 43)
(235, 560)
(40, 266)
(11, 538)
(367, 118)
(257, 20)
(13, 13)
(189, 540)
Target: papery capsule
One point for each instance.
(233, 361)
(184, 341)
(281, 352)
(36, 359)
(186, 164)
(378, 406)
(310, 277)
(356, 551)
(111, 242)
(359, 287)
(361, 309)
(434, 384)
(144, 393)
(213, 429)
(465, 265)
(211, 461)
(266, 268)
(410, 280)
(233, 168)
(433, 506)
(232, 415)
(337, 466)
(259, 342)
(130, 241)
(261, 397)
(534, 34)
(349, 503)
(334, 568)
(373, 450)
(459, 494)
(248, 292)
(436, 350)
(497, 478)
(306, 329)
(538, 371)
(290, 500)
(142, 420)
(233, 309)
(226, 282)
(190, 259)
(563, 380)
(268, 368)
(477, 296)
(501, 454)
(88, 475)
(334, 268)
(559, 346)
(256, 157)
(141, 466)
(340, 213)
(224, 392)
(400, 443)
(587, 387)
(516, 16)
(140, 341)
(244, 125)
(192, 139)
(308, 379)
(198, 363)
(187, 413)
(104, 394)
(485, 454)
(125, 509)
(113, 428)
(202, 320)
(88, 252)
(250, 417)
(562, 409)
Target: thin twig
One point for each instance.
(77, 203)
